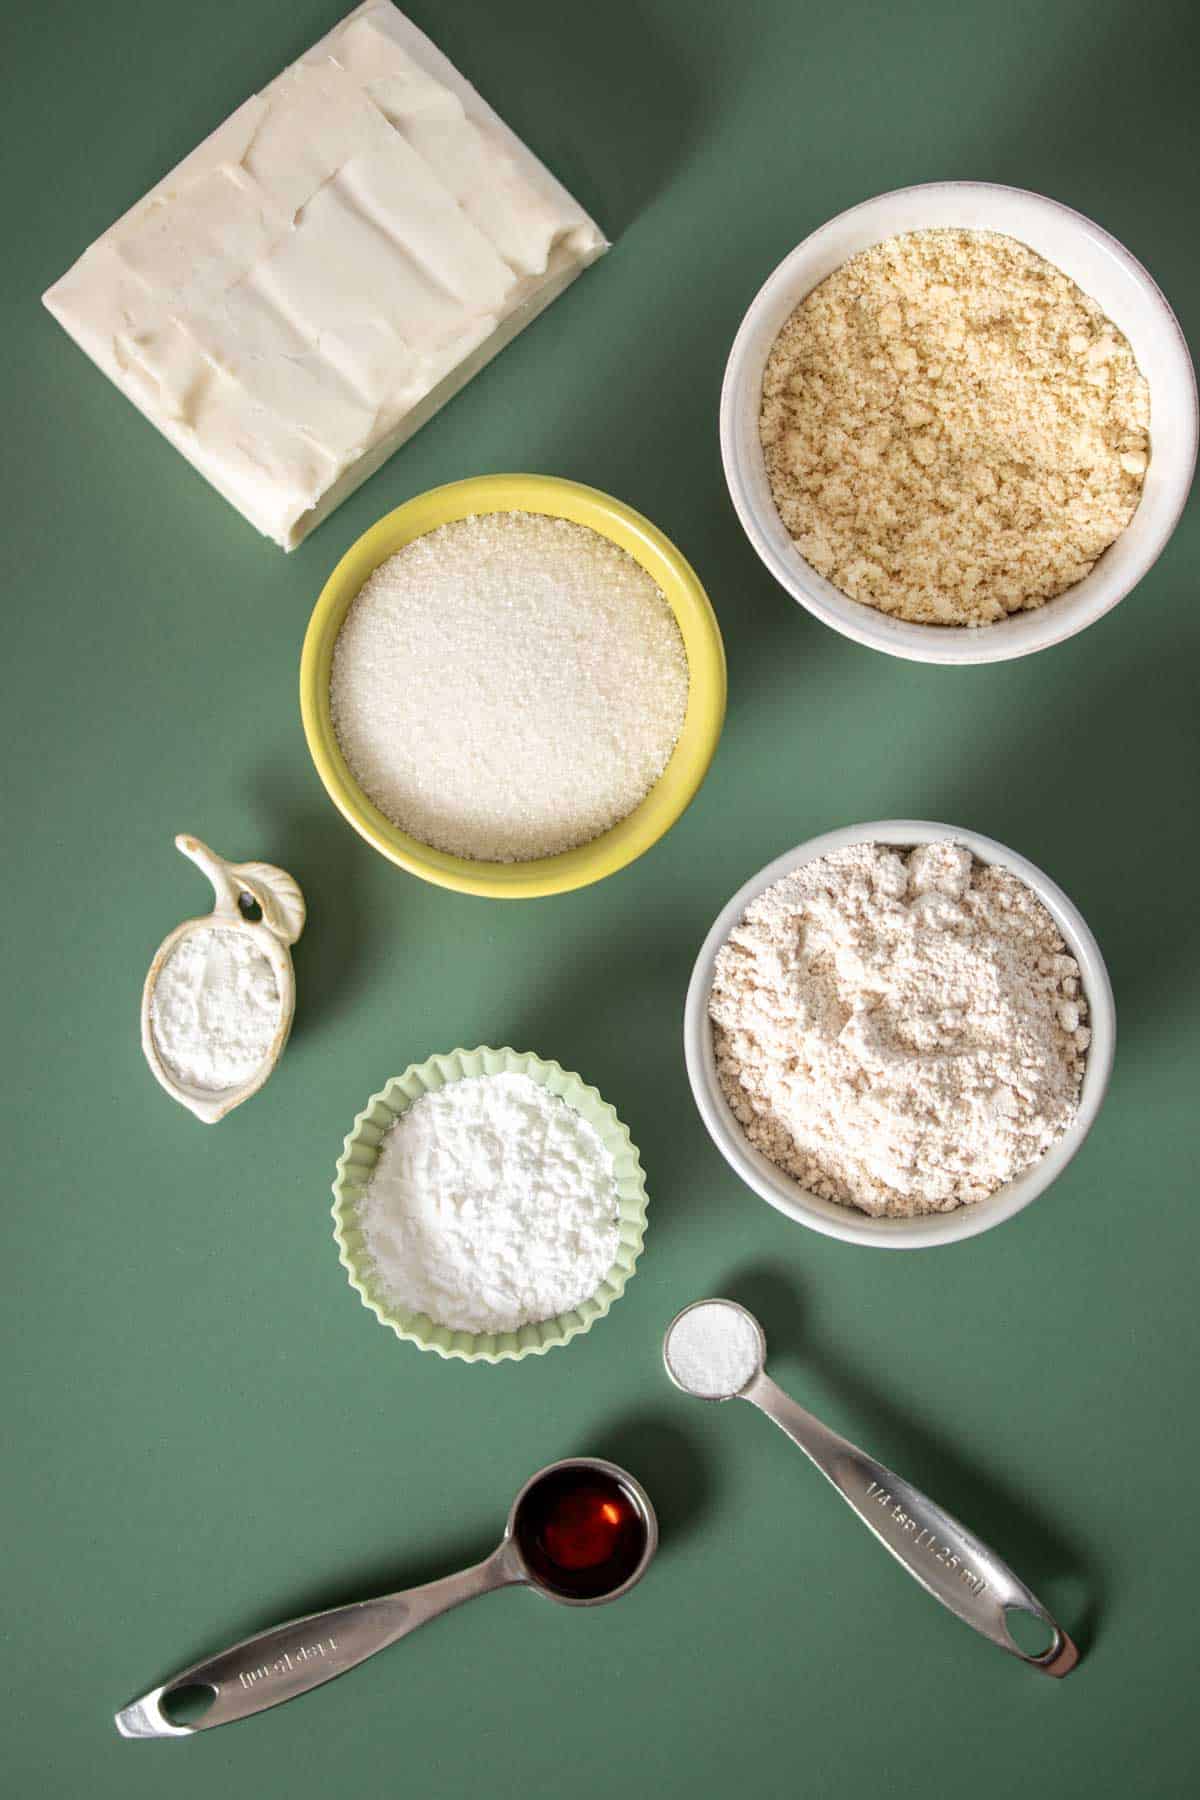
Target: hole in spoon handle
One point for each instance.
(1061, 1655)
(940, 1554)
(289, 1660)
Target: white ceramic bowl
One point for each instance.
(847, 1222)
(1103, 269)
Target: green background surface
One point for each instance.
(205, 1431)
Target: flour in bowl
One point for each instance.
(953, 431)
(493, 1205)
(900, 1030)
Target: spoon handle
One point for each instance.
(949, 1562)
(276, 1665)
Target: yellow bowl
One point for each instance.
(679, 781)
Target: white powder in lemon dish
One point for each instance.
(508, 686)
(215, 1009)
(901, 1031)
(493, 1205)
(713, 1349)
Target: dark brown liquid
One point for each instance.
(581, 1533)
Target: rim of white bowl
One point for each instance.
(845, 1222)
(1157, 340)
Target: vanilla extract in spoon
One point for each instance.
(581, 1532)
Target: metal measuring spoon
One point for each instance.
(287, 1660)
(949, 1562)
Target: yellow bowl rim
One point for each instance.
(689, 762)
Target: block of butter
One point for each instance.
(307, 287)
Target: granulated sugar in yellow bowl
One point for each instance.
(527, 500)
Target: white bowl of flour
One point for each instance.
(1130, 301)
(934, 1095)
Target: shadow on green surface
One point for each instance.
(616, 1015)
(528, 67)
(1108, 749)
(387, 1575)
(680, 1480)
(314, 843)
(1129, 56)
(1064, 1576)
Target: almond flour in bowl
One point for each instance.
(953, 431)
(899, 1030)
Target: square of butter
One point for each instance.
(318, 277)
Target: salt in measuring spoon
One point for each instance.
(581, 1532)
(715, 1350)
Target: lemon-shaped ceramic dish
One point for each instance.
(679, 781)
(361, 1152)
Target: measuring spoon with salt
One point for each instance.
(581, 1532)
(716, 1350)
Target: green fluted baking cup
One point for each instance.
(361, 1152)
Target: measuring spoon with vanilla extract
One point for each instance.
(716, 1350)
(581, 1532)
